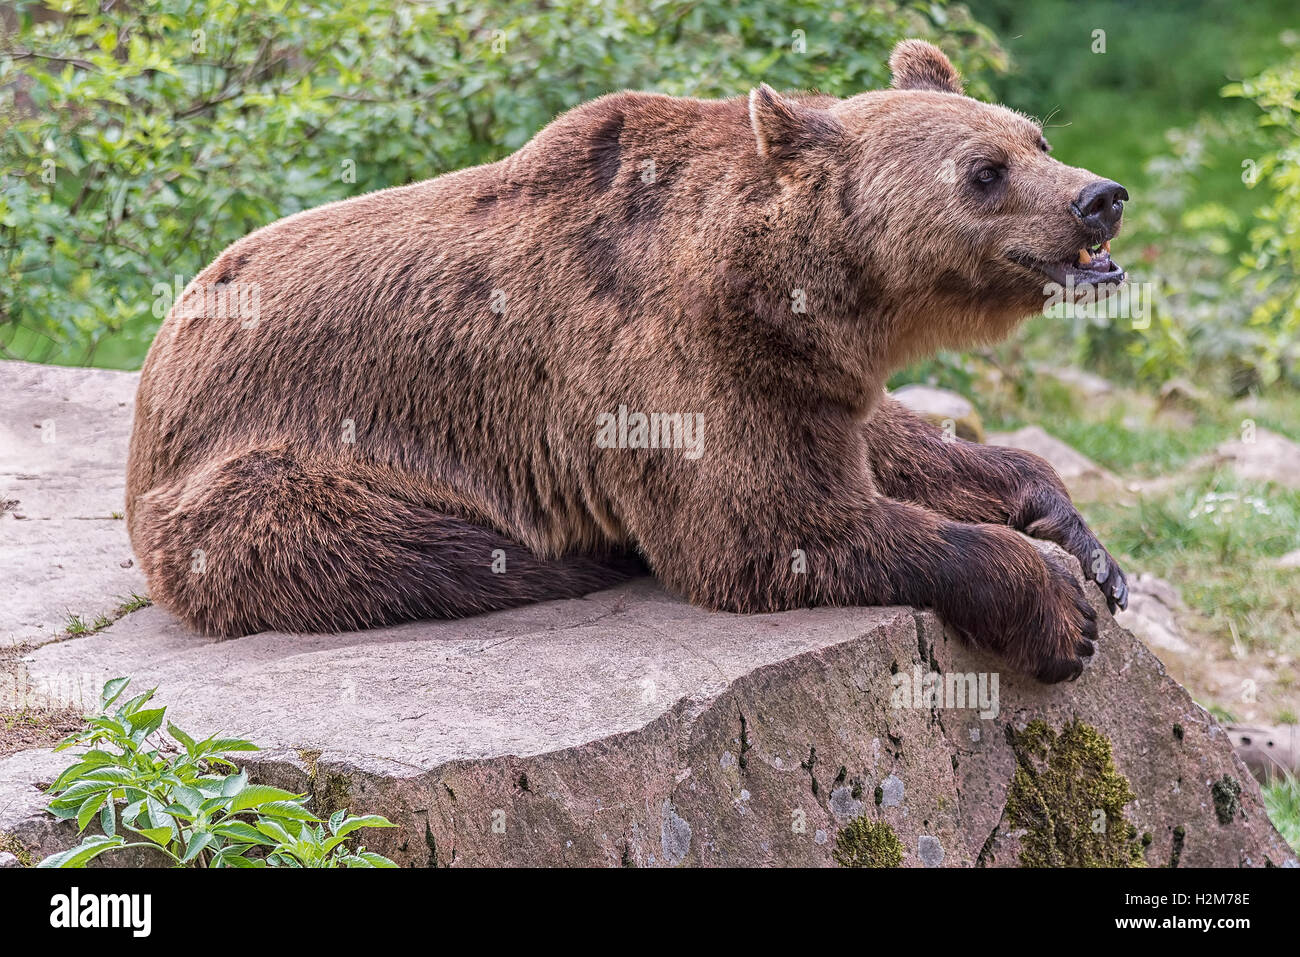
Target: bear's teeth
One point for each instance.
(1106, 246)
(1084, 258)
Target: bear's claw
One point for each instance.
(1060, 522)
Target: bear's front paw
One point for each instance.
(1064, 634)
(1027, 605)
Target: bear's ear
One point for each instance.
(784, 128)
(918, 65)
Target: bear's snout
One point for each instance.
(1100, 206)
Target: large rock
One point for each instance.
(629, 728)
(1261, 455)
(1152, 613)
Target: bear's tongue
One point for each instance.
(1095, 260)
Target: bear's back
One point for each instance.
(456, 325)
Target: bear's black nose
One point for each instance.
(1100, 205)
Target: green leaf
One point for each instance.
(69, 774)
(133, 809)
(182, 737)
(111, 725)
(243, 832)
(96, 758)
(159, 817)
(289, 810)
(366, 859)
(234, 783)
(233, 856)
(110, 774)
(147, 721)
(159, 835)
(274, 830)
(78, 793)
(112, 689)
(90, 808)
(210, 805)
(90, 848)
(179, 812)
(255, 795)
(221, 745)
(191, 799)
(355, 823)
(198, 841)
(136, 703)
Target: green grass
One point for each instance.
(1282, 801)
(77, 625)
(1114, 432)
(134, 603)
(1219, 539)
(1122, 432)
(1221, 714)
(1215, 536)
(1144, 452)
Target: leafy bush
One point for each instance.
(1218, 311)
(140, 139)
(1272, 267)
(1182, 244)
(179, 807)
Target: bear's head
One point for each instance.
(959, 218)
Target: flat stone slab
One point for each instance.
(629, 728)
(63, 441)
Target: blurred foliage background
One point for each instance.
(1193, 105)
(139, 138)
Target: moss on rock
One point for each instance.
(329, 792)
(866, 842)
(11, 845)
(1068, 797)
(1227, 798)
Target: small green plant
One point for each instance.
(135, 779)
(80, 626)
(1282, 801)
(134, 603)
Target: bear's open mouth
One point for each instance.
(1090, 266)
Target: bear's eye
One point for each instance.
(987, 175)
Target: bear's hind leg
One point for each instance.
(262, 541)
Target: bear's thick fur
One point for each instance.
(434, 405)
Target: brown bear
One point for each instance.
(658, 333)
